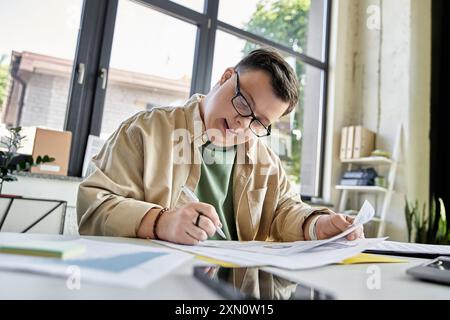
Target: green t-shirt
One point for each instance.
(216, 185)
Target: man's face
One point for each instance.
(224, 125)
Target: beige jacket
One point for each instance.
(139, 168)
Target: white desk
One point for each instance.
(346, 282)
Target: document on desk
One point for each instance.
(410, 249)
(287, 255)
(105, 263)
(366, 214)
(332, 252)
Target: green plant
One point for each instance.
(4, 73)
(12, 162)
(427, 226)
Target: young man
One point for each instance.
(212, 146)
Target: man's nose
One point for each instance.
(243, 122)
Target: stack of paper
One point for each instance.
(289, 255)
(104, 263)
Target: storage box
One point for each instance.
(55, 144)
(356, 142)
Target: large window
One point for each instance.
(88, 75)
(147, 69)
(196, 5)
(297, 25)
(37, 49)
(297, 29)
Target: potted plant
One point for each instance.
(11, 161)
(427, 226)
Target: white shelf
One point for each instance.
(386, 193)
(362, 188)
(369, 161)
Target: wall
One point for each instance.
(380, 78)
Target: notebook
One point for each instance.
(50, 249)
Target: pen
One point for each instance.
(194, 198)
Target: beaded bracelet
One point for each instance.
(155, 235)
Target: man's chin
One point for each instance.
(229, 141)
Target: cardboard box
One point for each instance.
(55, 144)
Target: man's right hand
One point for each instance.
(178, 225)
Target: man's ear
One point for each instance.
(229, 72)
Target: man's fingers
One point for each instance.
(186, 238)
(207, 225)
(352, 236)
(356, 234)
(349, 219)
(339, 222)
(197, 233)
(360, 232)
(208, 211)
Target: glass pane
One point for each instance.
(312, 119)
(37, 48)
(151, 63)
(196, 5)
(286, 139)
(297, 24)
(228, 51)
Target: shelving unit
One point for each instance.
(385, 192)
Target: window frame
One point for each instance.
(86, 100)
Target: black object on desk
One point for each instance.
(419, 255)
(437, 271)
(255, 284)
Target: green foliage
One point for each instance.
(3, 83)
(427, 226)
(10, 145)
(285, 22)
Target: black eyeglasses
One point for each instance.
(243, 108)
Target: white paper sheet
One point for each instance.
(287, 255)
(411, 248)
(366, 214)
(104, 263)
(329, 253)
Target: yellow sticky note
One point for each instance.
(371, 258)
(218, 262)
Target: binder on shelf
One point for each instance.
(343, 153)
(364, 142)
(357, 182)
(350, 136)
(369, 173)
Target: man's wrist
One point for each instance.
(146, 227)
(312, 232)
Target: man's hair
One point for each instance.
(283, 78)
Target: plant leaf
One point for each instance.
(442, 226)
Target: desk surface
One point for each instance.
(346, 282)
